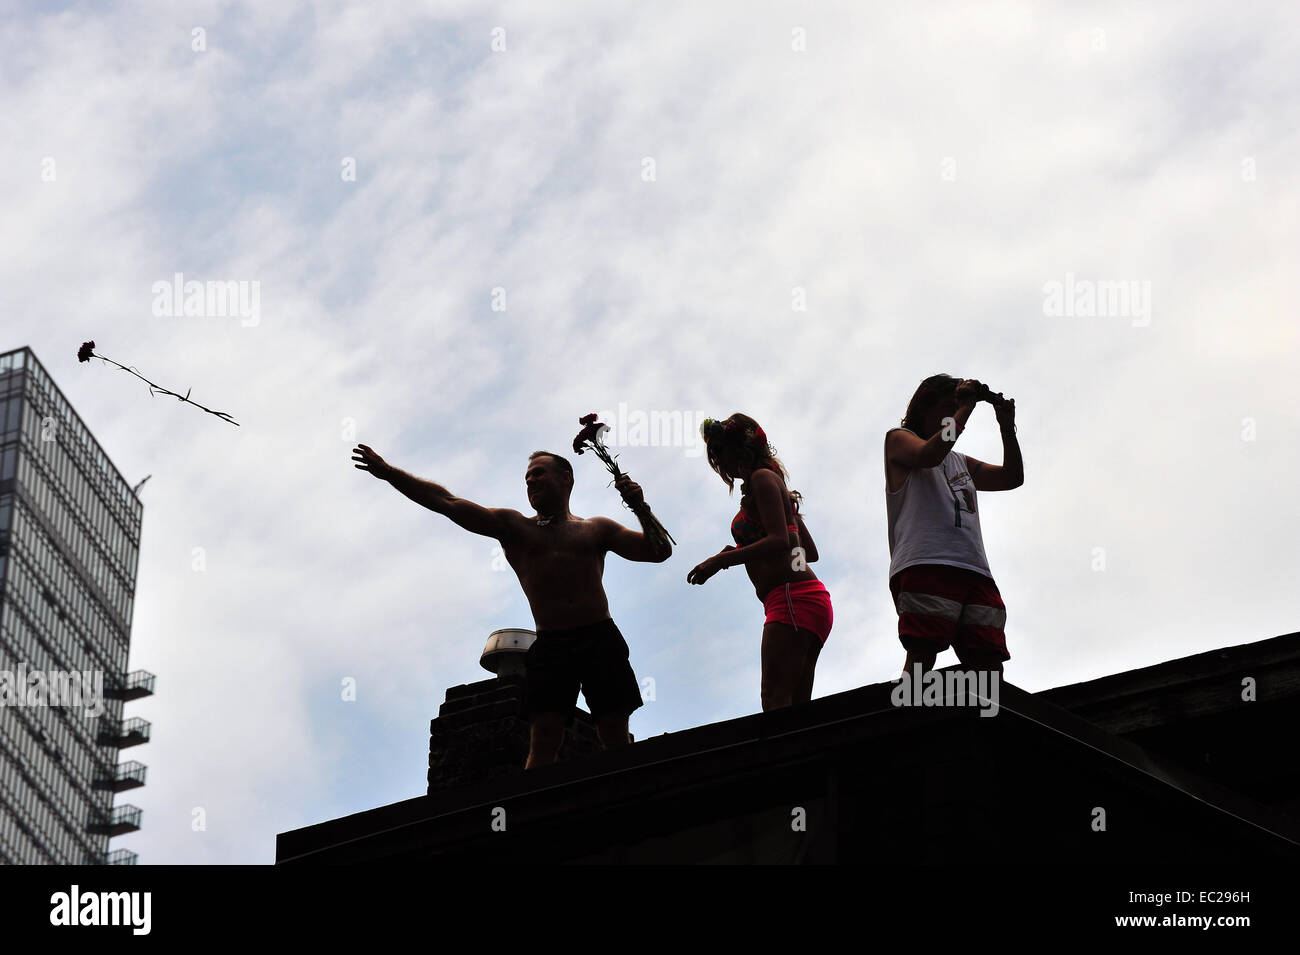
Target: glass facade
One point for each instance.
(69, 548)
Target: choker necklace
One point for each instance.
(543, 521)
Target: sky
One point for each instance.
(458, 227)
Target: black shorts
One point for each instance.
(594, 658)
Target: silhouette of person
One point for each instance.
(939, 575)
(559, 559)
(773, 543)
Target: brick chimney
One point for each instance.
(481, 730)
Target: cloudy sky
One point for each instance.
(468, 224)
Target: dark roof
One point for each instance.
(1021, 783)
(1204, 684)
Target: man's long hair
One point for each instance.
(929, 393)
(742, 434)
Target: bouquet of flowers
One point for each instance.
(589, 439)
(87, 352)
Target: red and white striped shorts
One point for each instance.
(941, 606)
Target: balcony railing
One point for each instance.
(134, 685)
(131, 733)
(124, 776)
(120, 857)
(121, 820)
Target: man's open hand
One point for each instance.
(371, 462)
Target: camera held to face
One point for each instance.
(984, 393)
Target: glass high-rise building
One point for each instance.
(69, 548)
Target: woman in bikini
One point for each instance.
(773, 543)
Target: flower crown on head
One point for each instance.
(711, 430)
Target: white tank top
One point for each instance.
(933, 517)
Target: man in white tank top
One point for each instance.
(938, 573)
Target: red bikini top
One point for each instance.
(749, 530)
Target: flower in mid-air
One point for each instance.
(87, 352)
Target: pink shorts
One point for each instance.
(804, 605)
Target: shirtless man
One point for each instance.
(559, 559)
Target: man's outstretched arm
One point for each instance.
(488, 521)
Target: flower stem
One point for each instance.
(153, 387)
